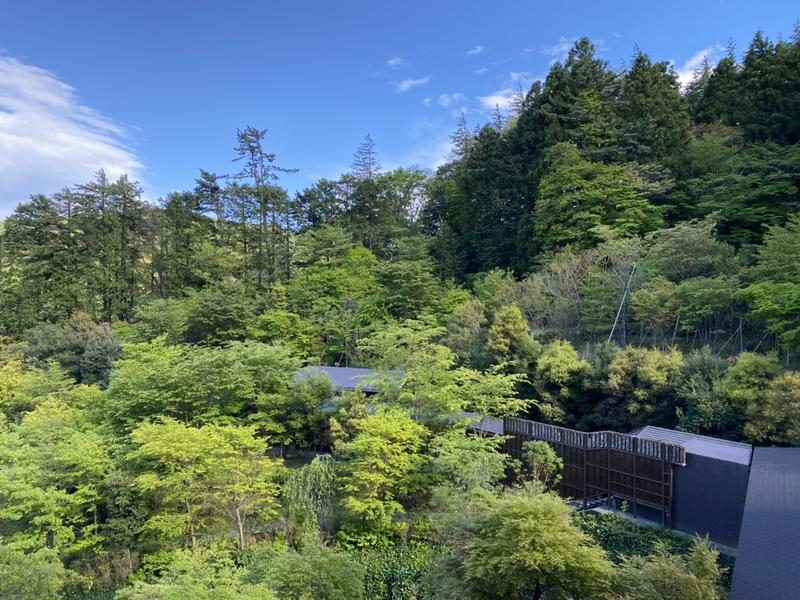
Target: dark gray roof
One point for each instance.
(701, 445)
(348, 378)
(769, 543)
(491, 425)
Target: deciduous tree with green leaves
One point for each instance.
(517, 545)
(379, 464)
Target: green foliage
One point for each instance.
(199, 385)
(102, 350)
(467, 462)
(766, 87)
(53, 465)
(775, 258)
(165, 317)
(544, 464)
(576, 196)
(621, 537)
(201, 573)
(558, 379)
(284, 327)
(429, 388)
(709, 407)
(653, 109)
(491, 393)
(308, 495)
(379, 464)
(509, 341)
(395, 573)
(407, 283)
(747, 189)
(36, 576)
(775, 420)
(83, 349)
(662, 575)
(23, 387)
(690, 249)
(521, 544)
(78, 251)
(218, 314)
(197, 476)
(334, 299)
(775, 296)
(641, 386)
(299, 415)
(312, 571)
(493, 288)
(656, 306)
(466, 333)
(747, 378)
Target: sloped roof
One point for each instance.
(491, 425)
(700, 445)
(769, 542)
(348, 378)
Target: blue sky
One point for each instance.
(157, 89)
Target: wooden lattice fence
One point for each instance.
(605, 465)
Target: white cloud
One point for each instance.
(49, 139)
(686, 71)
(427, 102)
(407, 84)
(475, 51)
(448, 100)
(560, 49)
(395, 62)
(429, 155)
(520, 76)
(502, 98)
(480, 71)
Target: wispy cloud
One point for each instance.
(49, 138)
(560, 49)
(480, 71)
(407, 84)
(448, 100)
(501, 98)
(687, 70)
(395, 62)
(475, 51)
(427, 101)
(428, 145)
(428, 155)
(520, 76)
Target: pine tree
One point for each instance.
(498, 118)
(518, 100)
(461, 137)
(365, 160)
(364, 212)
(720, 101)
(696, 88)
(273, 222)
(769, 90)
(656, 115)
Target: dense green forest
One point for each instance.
(617, 251)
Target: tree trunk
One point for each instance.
(192, 534)
(537, 592)
(240, 525)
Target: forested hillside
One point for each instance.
(615, 252)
